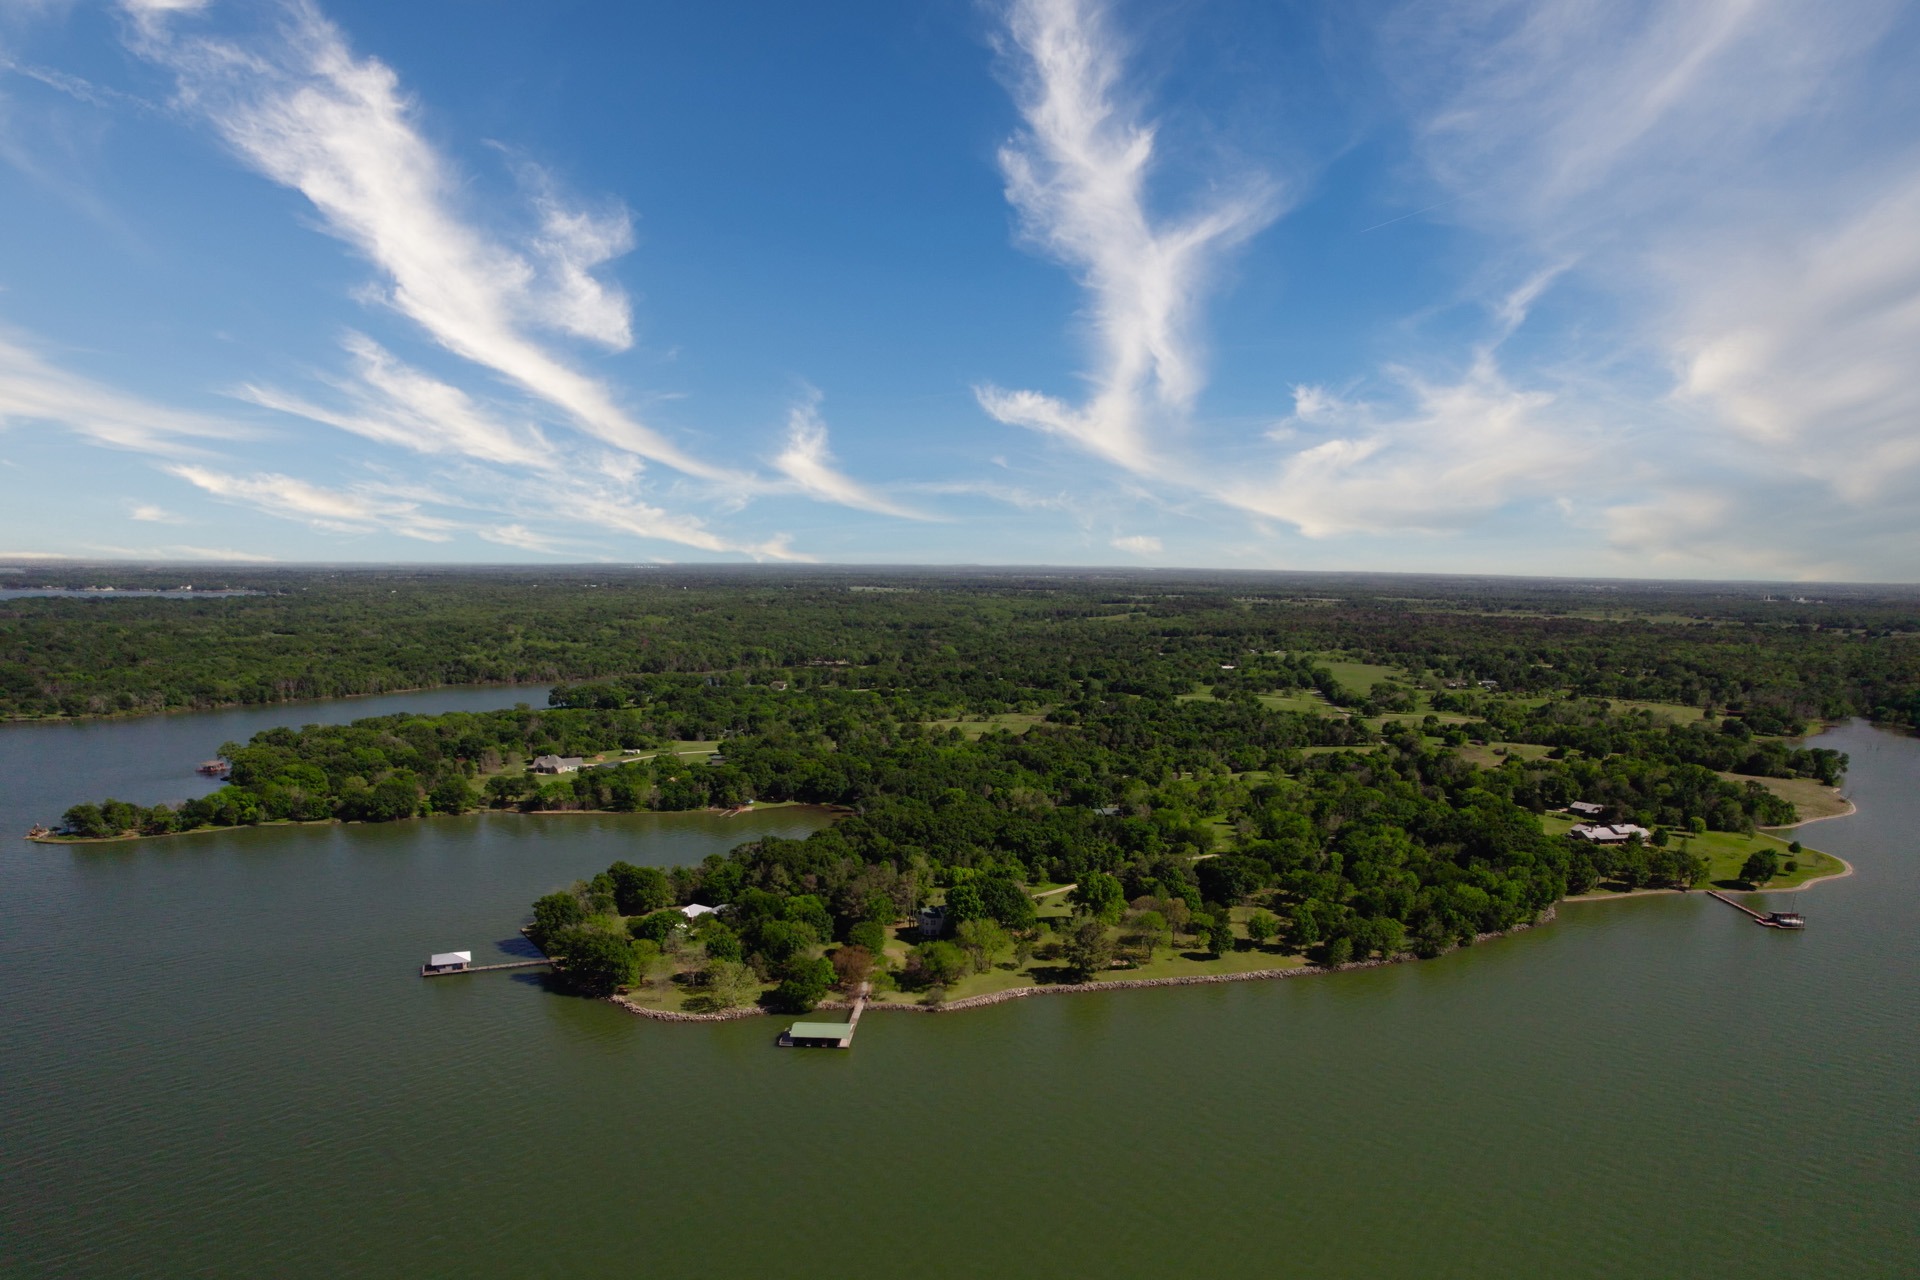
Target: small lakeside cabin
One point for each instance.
(447, 962)
(817, 1035)
(1785, 920)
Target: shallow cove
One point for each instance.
(218, 1059)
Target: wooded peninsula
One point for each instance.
(1038, 778)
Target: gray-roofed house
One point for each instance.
(557, 764)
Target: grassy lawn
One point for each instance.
(1669, 710)
(1416, 717)
(1806, 794)
(1490, 757)
(1014, 722)
(1304, 700)
(1359, 676)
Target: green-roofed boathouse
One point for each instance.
(818, 1035)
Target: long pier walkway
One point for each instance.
(1770, 922)
(482, 968)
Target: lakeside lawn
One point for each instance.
(1725, 852)
(1808, 795)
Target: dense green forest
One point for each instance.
(1208, 763)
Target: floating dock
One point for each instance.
(1771, 919)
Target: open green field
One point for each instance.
(1301, 700)
(1014, 722)
(1494, 754)
(1360, 676)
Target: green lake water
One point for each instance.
(217, 1058)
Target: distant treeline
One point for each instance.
(978, 641)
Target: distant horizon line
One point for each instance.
(22, 567)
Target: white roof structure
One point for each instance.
(1610, 835)
(448, 958)
(694, 910)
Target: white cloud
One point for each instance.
(309, 114)
(1012, 495)
(808, 463)
(154, 515)
(335, 510)
(1746, 188)
(1810, 349)
(181, 551)
(1078, 179)
(1461, 449)
(1139, 544)
(518, 535)
(612, 510)
(297, 104)
(33, 390)
(399, 405)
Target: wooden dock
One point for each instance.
(1775, 920)
(482, 968)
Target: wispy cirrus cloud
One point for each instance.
(336, 510)
(303, 109)
(396, 404)
(33, 389)
(294, 102)
(1745, 189)
(1711, 168)
(1451, 450)
(808, 463)
(181, 551)
(1078, 179)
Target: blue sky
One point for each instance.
(1459, 285)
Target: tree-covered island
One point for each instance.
(1092, 784)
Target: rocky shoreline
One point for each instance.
(1066, 988)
